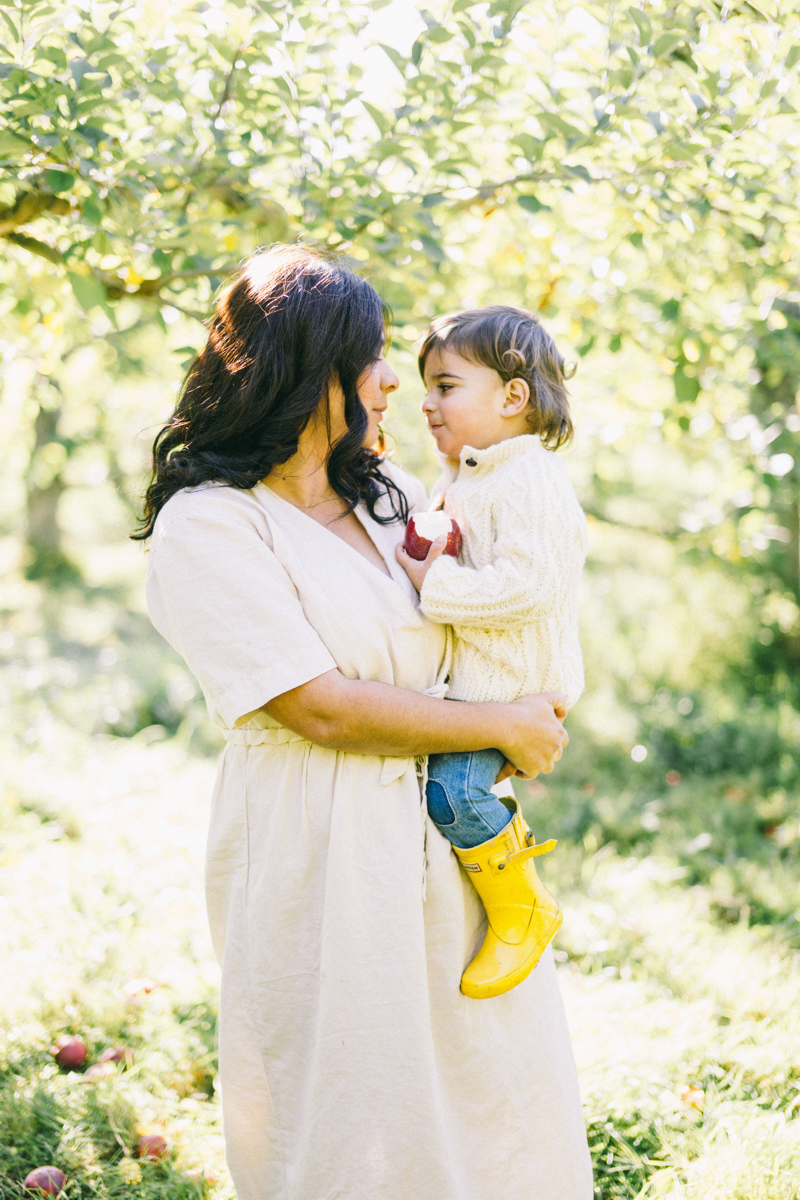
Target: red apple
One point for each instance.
(424, 528)
(115, 1054)
(45, 1181)
(69, 1052)
(152, 1146)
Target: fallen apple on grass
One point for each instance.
(116, 1054)
(45, 1181)
(69, 1052)
(423, 529)
(152, 1147)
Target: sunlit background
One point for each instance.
(629, 173)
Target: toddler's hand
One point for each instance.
(508, 771)
(416, 569)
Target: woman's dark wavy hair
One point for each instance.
(287, 324)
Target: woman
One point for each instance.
(351, 1064)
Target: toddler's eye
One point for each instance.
(445, 387)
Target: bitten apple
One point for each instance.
(45, 1181)
(69, 1052)
(424, 528)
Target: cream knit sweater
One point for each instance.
(512, 598)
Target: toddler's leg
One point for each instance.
(460, 800)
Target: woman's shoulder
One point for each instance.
(209, 504)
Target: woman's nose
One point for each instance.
(389, 381)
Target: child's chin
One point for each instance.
(447, 447)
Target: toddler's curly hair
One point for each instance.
(514, 343)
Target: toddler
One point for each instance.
(497, 406)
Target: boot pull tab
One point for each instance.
(522, 856)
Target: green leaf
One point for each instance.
(432, 248)
(11, 146)
(416, 52)
(59, 181)
(642, 23)
(11, 26)
(580, 172)
(615, 343)
(187, 354)
(438, 34)
(558, 123)
(461, 5)
(395, 56)
(785, 107)
(687, 387)
(792, 57)
(531, 204)
(378, 117)
(92, 133)
(89, 292)
(468, 34)
(584, 349)
(667, 42)
(91, 211)
(530, 146)
(636, 239)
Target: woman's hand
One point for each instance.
(416, 569)
(536, 736)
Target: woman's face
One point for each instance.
(374, 386)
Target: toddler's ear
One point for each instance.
(518, 395)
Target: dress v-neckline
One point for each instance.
(362, 516)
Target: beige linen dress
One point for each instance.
(352, 1067)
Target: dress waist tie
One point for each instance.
(392, 770)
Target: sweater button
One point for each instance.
(471, 462)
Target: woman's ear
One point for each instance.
(518, 395)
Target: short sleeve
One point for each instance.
(221, 598)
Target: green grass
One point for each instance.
(101, 890)
(681, 990)
(679, 881)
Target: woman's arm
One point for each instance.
(363, 717)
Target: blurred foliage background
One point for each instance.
(630, 172)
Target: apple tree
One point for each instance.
(146, 148)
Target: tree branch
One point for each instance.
(28, 207)
(226, 91)
(34, 246)
(149, 289)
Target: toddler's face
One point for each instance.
(469, 405)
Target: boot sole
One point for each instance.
(500, 986)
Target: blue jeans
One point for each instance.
(460, 802)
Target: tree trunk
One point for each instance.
(45, 486)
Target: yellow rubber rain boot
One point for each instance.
(523, 916)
